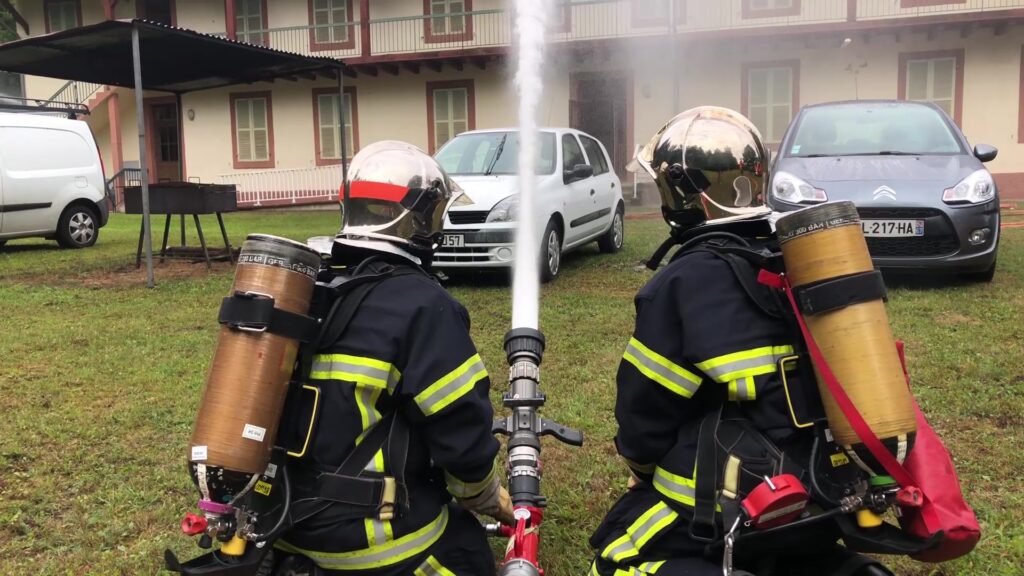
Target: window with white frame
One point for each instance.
(770, 4)
(770, 100)
(252, 129)
(330, 21)
(61, 15)
(933, 80)
(447, 17)
(327, 120)
(451, 114)
(249, 24)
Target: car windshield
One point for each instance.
(872, 129)
(492, 153)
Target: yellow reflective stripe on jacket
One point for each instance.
(460, 489)
(742, 389)
(642, 468)
(366, 401)
(744, 363)
(660, 369)
(593, 569)
(674, 487)
(377, 531)
(452, 386)
(651, 567)
(387, 554)
(431, 567)
(357, 369)
(640, 532)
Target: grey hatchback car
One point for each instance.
(926, 201)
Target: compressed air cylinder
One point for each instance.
(248, 379)
(823, 243)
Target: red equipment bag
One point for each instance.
(930, 498)
(931, 465)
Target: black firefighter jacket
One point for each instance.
(407, 349)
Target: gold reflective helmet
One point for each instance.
(397, 196)
(709, 164)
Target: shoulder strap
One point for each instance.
(704, 528)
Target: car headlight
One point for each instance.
(975, 189)
(789, 188)
(505, 211)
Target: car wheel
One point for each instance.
(78, 227)
(550, 252)
(612, 240)
(984, 276)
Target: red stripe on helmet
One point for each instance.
(377, 191)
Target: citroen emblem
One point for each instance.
(884, 192)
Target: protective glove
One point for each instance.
(494, 501)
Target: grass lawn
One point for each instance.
(100, 380)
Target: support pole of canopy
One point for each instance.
(181, 154)
(143, 164)
(344, 146)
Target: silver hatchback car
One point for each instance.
(925, 199)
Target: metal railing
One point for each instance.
(77, 92)
(331, 41)
(285, 187)
(117, 183)
(583, 20)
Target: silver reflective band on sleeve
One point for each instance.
(460, 489)
(387, 554)
(452, 386)
(357, 369)
(753, 362)
(431, 567)
(677, 488)
(640, 532)
(660, 369)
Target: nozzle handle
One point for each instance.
(563, 433)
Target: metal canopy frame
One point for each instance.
(176, 60)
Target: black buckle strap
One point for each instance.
(838, 293)
(704, 528)
(255, 312)
(368, 493)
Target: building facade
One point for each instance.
(425, 70)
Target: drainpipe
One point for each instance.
(229, 18)
(364, 26)
(109, 9)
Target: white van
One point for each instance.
(51, 180)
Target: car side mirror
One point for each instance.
(985, 153)
(579, 172)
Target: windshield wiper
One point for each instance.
(497, 154)
(885, 153)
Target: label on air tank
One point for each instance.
(198, 453)
(253, 432)
(271, 470)
(836, 222)
(277, 262)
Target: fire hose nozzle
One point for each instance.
(193, 524)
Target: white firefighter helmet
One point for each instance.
(397, 196)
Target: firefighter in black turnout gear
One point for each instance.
(403, 398)
(700, 379)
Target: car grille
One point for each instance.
(467, 216)
(883, 213)
(464, 254)
(910, 247)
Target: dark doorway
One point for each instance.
(161, 11)
(164, 142)
(601, 104)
